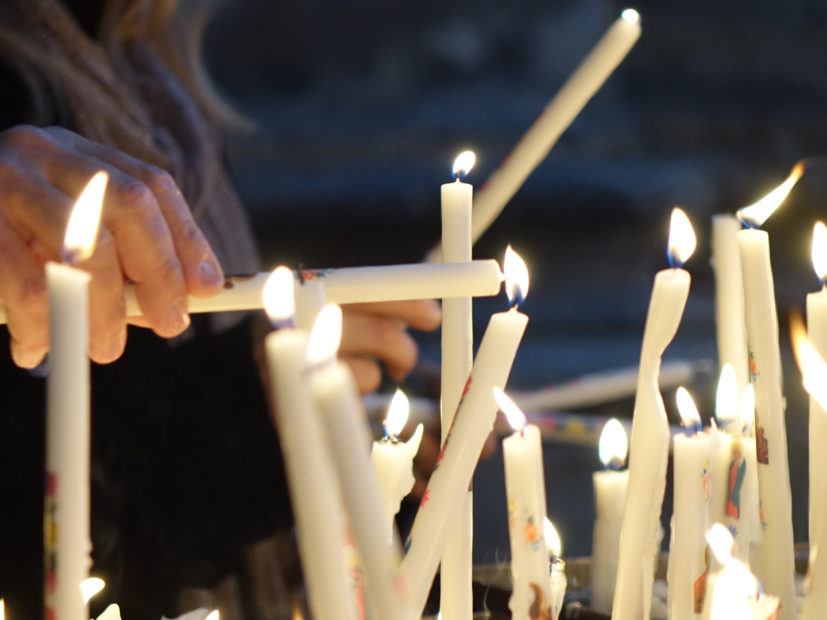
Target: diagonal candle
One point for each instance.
(66, 510)
(650, 432)
(775, 564)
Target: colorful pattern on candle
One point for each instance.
(762, 446)
(737, 474)
(705, 481)
(539, 609)
(306, 275)
(753, 368)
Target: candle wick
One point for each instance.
(70, 257)
(616, 464)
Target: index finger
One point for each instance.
(422, 314)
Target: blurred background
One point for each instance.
(360, 107)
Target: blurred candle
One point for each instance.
(690, 515)
(726, 416)
(775, 564)
(557, 579)
(610, 495)
(525, 492)
(66, 528)
(455, 595)
(639, 536)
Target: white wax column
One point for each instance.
(392, 462)
(525, 492)
(776, 565)
(690, 521)
(719, 478)
(610, 496)
(310, 299)
(66, 528)
(449, 481)
(730, 326)
(314, 491)
(558, 583)
(349, 441)
(456, 597)
(649, 448)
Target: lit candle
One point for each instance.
(525, 492)
(557, 579)
(472, 423)
(775, 564)
(726, 415)
(314, 492)
(456, 601)
(814, 373)
(392, 460)
(686, 572)
(348, 439)
(639, 536)
(610, 495)
(731, 330)
(66, 527)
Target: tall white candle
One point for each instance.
(66, 515)
(558, 582)
(456, 598)
(525, 492)
(690, 516)
(610, 495)
(731, 331)
(726, 416)
(349, 441)
(639, 534)
(472, 423)
(392, 459)
(776, 565)
(314, 491)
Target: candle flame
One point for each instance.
(516, 277)
(631, 16)
(757, 213)
(812, 366)
(720, 542)
(613, 445)
(515, 417)
(84, 221)
(279, 301)
(397, 414)
(325, 336)
(819, 251)
(682, 239)
(726, 397)
(552, 538)
(2, 609)
(687, 408)
(463, 164)
(213, 615)
(90, 587)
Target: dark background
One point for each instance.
(361, 107)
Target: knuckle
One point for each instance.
(169, 272)
(157, 178)
(24, 137)
(134, 194)
(32, 293)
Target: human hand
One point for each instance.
(377, 332)
(147, 236)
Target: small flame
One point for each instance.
(631, 16)
(757, 213)
(690, 417)
(812, 366)
(682, 239)
(279, 302)
(552, 538)
(463, 164)
(397, 414)
(819, 251)
(726, 397)
(2, 609)
(613, 445)
(90, 587)
(84, 221)
(721, 542)
(516, 276)
(325, 336)
(746, 410)
(515, 417)
(213, 615)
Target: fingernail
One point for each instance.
(208, 274)
(176, 319)
(114, 348)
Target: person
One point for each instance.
(189, 504)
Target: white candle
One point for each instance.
(314, 492)
(730, 327)
(456, 597)
(690, 517)
(639, 536)
(610, 495)
(66, 528)
(726, 415)
(525, 492)
(558, 582)
(472, 423)
(392, 460)
(776, 565)
(349, 441)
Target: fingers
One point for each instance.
(366, 373)
(422, 314)
(369, 335)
